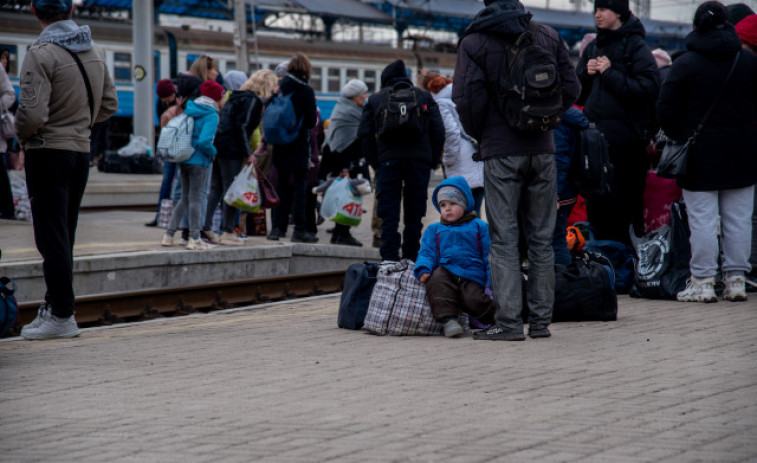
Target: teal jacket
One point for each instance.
(206, 124)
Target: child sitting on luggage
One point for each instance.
(453, 259)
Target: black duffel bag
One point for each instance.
(359, 281)
(585, 289)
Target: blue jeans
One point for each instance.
(193, 181)
(184, 224)
(169, 172)
(224, 171)
(402, 182)
(511, 183)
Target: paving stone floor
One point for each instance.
(667, 382)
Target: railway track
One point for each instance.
(109, 309)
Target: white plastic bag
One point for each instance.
(341, 205)
(137, 145)
(244, 192)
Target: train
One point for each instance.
(175, 48)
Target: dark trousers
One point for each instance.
(612, 214)
(7, 211)
(224, 171)
(402, 183)
(448, 294)
(166, 185)
(293, 199)
(56, 180)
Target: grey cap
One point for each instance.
(353, 88)
(281, 69)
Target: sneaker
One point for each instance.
(183, 241)
(274, 235)
(230, 239)
(347, 240)
(303, 237)
(534, 332)
(167, 240)
(495, 333)
(735, 289)
(43, 314)
(452, 328)
(52, 327)
(698, 290)
(196, 244)
(210, 237)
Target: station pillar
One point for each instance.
(143, 71)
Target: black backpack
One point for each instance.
(591, 166)
(585, 289)
(359, 281)
(401, 120)
(529, 92)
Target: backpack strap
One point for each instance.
(86, 84)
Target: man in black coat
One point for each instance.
(403, 165)
(620, 83)
(519, 171)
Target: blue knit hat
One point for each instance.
(52, 6)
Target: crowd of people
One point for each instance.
(518, 163)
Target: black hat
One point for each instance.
(507, 4)
(737, 12)
(618, 6)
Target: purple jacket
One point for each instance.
(479, 59)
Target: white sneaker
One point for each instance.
(167, 240)
(214, 239)
(230, 239)
(699, 290)
(196, 244)
(53, 327)
(735, 288)
(43, 313)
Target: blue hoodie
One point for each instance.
(461, 247)
(206, 123)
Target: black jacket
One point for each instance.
(296, 155)
(621, 99)
(430, 146)
(725, 153)
(480, 55)
(238, 119)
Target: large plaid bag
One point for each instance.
(398, 305)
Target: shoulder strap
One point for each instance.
(720, 92)
(86, 84)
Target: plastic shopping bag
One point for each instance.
(244, 192)
(341, 205)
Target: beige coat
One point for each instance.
(54, 109)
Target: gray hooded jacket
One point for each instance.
(54, 109)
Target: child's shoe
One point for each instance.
(452, 328)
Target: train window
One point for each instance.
(351, 74)
(231, 66)
(369, 77)
(316, 78)
(334, 83)
(122, 67)
(12, 65)
(191, 59)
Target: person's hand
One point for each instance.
(603, 64)
(591, 66)
(424, 278)
(249, 159)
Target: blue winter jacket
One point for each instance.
(565, 144)
(206, 123)
(461, 248)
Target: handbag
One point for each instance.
(6, 123)
(270, 198)
(675, 154)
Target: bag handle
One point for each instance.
(86, 84)
(699, 128)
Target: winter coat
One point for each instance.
(7, 98)
(205, 124)
(724, 155)
(621, 99)
(296, 155)
(480, 55)
(430, 145)
(565, 143)
(239, 118)
(458, 145)
(54, 107)
(461, 247)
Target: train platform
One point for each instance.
(667, 382)
(115, 252)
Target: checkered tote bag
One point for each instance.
(398, 305)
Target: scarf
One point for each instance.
(345, 120)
